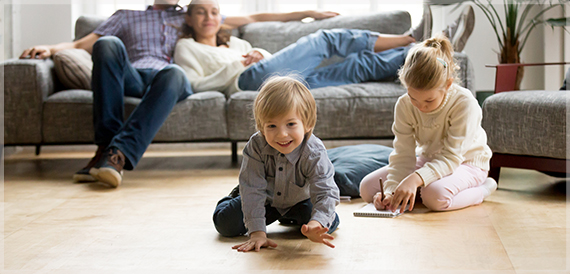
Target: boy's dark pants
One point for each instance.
(228, 216)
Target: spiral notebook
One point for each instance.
(370, 211)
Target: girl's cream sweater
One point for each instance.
(447, 137)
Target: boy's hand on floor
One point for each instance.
(257, 240)
(317, 233)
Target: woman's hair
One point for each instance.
(281, 94)
(186, 31)
(429, 64)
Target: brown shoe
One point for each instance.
(83, 174)
(109, 170)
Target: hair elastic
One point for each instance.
(442, 62)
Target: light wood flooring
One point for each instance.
(159, 221)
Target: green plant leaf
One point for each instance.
(559, 22)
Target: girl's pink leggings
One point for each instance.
(460, 189)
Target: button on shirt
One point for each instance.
(270, 177)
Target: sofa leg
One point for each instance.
(38, 149)
(234, 152)
(494, 173)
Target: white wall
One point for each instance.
(41, 24)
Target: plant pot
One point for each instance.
(510, 55)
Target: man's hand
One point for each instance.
(320, 15)
(406, 193)
(40, 52)
(252, 57)
(257, 240)
(317, 233)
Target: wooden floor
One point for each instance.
(159, 221)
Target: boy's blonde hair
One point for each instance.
(429, 64)
(281, 94)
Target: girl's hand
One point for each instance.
(252, 57)
(317, 233)
(381, 202)
(256, 240)
(405, 193)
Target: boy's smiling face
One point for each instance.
(285, 133)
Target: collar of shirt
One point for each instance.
(292, 157)
(173, 7)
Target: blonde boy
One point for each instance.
(285, 175)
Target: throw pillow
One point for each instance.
(352, 163)
(73, 68)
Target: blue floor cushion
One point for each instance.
(352, 163)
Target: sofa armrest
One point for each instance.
(466, 73)
(27, 84)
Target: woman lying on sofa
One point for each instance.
(214, 60)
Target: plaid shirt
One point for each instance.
(149, 35)
(269, 177)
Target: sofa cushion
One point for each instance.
(73, 68)
(68, 118)
(352, 163)
(363, 110)
(527, 123)
(273, 36)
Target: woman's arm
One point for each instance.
(238, 21)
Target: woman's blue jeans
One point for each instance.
(228, 216)
(113, 78)
(361, 63)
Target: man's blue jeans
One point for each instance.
(361, 63)
(228, 216)
(113, 78)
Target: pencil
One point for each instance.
(381, 188)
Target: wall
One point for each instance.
(41, 24)
(52, 23)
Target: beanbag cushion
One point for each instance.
(352, 163)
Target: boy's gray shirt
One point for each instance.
(270, 177)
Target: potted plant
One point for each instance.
(514, 27)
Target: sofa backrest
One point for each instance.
(273, 36)
(86, 24)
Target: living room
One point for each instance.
(160, 218)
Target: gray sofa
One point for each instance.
(39, 111)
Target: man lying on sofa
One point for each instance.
(132, 56)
